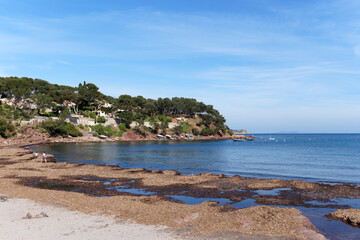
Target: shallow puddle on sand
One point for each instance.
(249, 202)
(332, 229)
(195, 200)
(136, 191)
(272, 192)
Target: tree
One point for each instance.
(126, 117)
(126, 102)
(2, 87)
(139, 101)
(88, 92)
(18, 88)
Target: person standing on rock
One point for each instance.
(36, 155)
(43, 157)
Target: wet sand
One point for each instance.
(158, 197)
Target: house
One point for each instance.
(80, 120)
(68, 104)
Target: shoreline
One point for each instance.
(156, 209)
(25, 142)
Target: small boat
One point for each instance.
(250, 138)
(103, 137)
(168, 137)
(238, 139)
(160, 136)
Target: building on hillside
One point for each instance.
(68, 104)
(80, 120)
(107, 105)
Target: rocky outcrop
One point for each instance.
(349, 216)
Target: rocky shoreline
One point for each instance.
(84, 187)
(31, 135)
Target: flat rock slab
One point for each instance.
(50, 158)
(349, 216)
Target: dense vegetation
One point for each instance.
(7, 115)
(128, 109)
(60, 128)
(7, 129)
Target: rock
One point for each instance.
(349, 216)
(206, 174)
(50, 158)
(157, 171)
(42, 215)
(28, 216)
(171, 172)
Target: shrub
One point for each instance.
(122, 129)
(207, 131)
(195, 131)
(101, 119)
(7, 129)
(162, 118)
(155, 128)
(83, 127)
(60, 128)
(107, 131)
(185, 127)
(89, 114)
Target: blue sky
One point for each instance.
(268, 66)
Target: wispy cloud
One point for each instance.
(64, 62)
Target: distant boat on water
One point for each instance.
(238, 139)
(250, 138)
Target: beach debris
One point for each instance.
(40, 215)
(3, 198)
(188, 218)
(28, 216)
(349, 216)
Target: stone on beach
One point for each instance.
(171, 172)
(50, 158)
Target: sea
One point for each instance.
(323, 158)
(330, 158)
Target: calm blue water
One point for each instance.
(311, 157)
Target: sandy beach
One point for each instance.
(25, 219)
